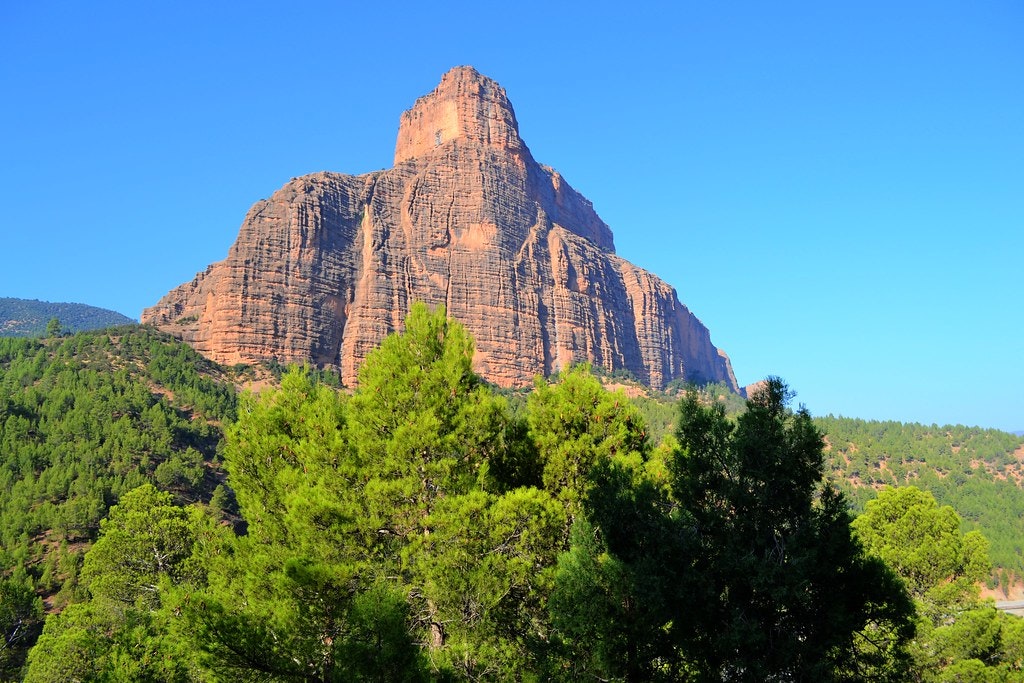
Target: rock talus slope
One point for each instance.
(327, 266)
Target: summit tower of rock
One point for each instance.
(330, 264)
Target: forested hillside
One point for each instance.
(427, 527)
(415, 529)
(84, 419)
(29, 317)
(978, 472)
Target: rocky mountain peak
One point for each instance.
(466, 106)
(331, 263)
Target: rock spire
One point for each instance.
(327, 266)
(466, 107)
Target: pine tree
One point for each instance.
(786, 592)
(959, 636)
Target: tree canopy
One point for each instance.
(418, 527)
(959, 636)
(786, 592)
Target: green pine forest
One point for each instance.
(160, 525)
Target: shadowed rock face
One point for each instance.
(331, 263)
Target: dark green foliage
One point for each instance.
(621, 589)
(976, 471)
(21, 618)
(31, 318)
(786, 592)
(378, 647)
(615, 585)
(518, 464)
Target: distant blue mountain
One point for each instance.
(29, 317)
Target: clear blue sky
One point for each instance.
(835, 189)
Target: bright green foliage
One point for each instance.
(486, 568)
(97, 641)
(785, 591)
(617, 586)
(959, 637)
(922, 542)
(53, 328)
(144, 540)
(976, 471)
(269, 612)
(147, 546)
(279, 598)
(347, 502)
(422, 421)
(947, 449)
(284, 444)
(85, 419)
(576, 424)
(80, 424)
(971, 642)
(424, 427)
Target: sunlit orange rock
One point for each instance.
(331, 263)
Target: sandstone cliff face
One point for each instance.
(331, 263)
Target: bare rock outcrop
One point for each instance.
(330, 264)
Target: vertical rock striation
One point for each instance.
(330, 264)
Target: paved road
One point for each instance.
(1012, 606)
